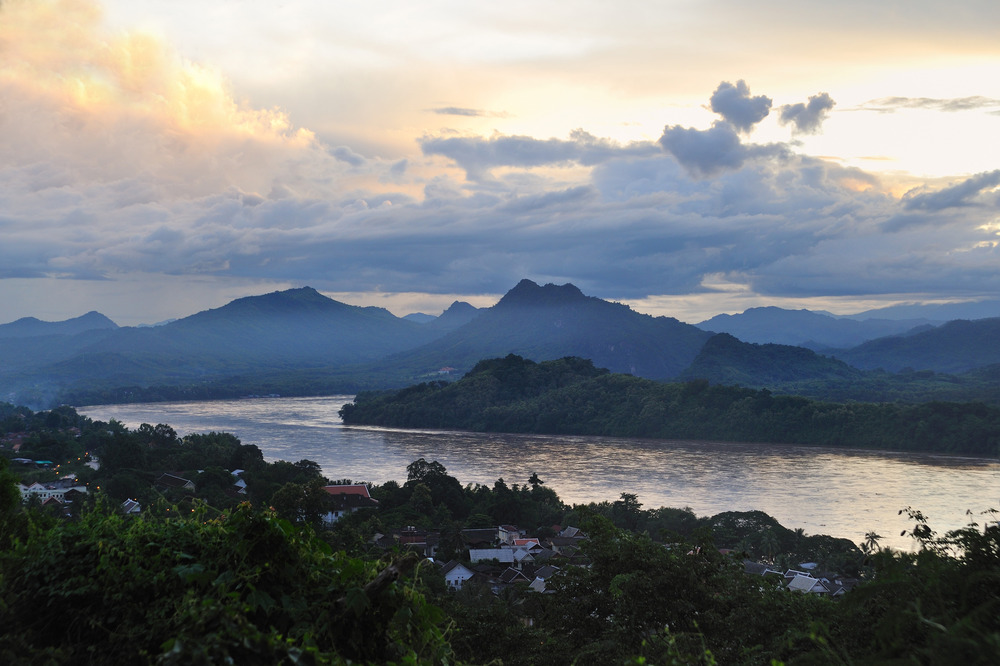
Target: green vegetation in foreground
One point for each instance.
(570, 396)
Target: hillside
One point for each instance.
(299, 342)
(957, 346)
(550, 322)
(726, 360)
(571, 397)
(805, 328)
(798, 371)
(286, 331)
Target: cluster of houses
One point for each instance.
(60, 493)
(805, 582)
(503, 556)
(498, 557)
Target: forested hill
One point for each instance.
(957, 346)
(571, 396)
(726, 360)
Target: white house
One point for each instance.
(455, 574)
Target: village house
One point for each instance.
(456, 574)
(168, 481)
(62, 491)
(347, 499)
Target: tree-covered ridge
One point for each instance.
(956, 346)
(800, 371)
(570, 396)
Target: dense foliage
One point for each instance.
(799, 371)
(242, 588)
(570, 396)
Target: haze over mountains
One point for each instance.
(299, 342)
(805, 328)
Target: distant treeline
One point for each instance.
(570, 396)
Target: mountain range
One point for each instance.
(300, 342)
(804, 328)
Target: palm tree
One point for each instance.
(769, 543)
(871, 541)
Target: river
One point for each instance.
(844, 493)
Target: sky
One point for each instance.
(687, 157)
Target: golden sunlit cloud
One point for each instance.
(115, 105)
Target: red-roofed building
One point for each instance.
(347, 499)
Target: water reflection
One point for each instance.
(824, 491)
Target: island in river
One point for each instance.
(570, 396)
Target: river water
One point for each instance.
(844, 493)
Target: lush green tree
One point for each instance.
(122, 451)
(302, 502)
(938, 604)
(247, 588)
(633, 588)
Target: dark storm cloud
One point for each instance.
(955, 196)
(708, 152)
(639, 225)
(892, 104)
(807, 118)
(734, 103)
(477, 155)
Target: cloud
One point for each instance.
(345, 154)
(737, 107)
(705, 152)
(708, 152)
(120, 159)
(108, 107)
(468, 113)
(807, 118)
(955, 196)
(955, 104)
(478, 155)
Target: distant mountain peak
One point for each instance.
(419, 317)
(32, 326)
(287, 297)
(529, 293)
(459, 308)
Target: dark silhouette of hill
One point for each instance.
(790, 370)
(726, 360)
(285, 331)
(458, 314)
(299, 342)
(957, 346)
(805, 328)
(29, 327)
(985, 309)
(550, 322)
(570, 396)
(419, 317)
(31, 343)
